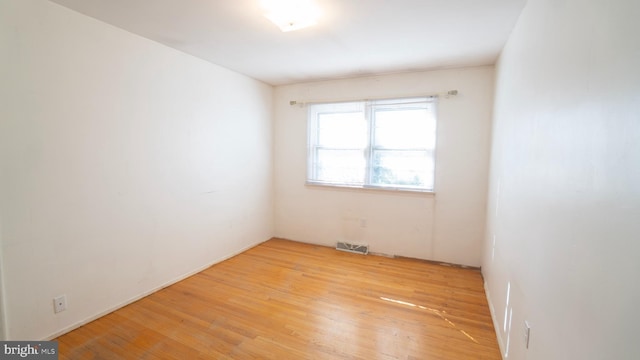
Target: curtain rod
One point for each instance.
(302, 103)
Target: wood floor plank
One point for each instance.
(288, 300)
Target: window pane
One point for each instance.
(383, 143)
(342, 130)
(404, 129)
(340, 166)
(403, 169)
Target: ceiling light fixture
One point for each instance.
(291, 15)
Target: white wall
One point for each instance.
(124, 165)
(447, 226)
(564, 215)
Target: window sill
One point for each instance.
(370, 188)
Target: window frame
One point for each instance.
(371, 147)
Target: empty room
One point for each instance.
(319, 179)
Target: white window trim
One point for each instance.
(432, 99)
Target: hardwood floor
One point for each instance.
(287, 300)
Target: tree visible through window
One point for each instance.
(387, 144)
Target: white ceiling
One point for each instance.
(353, 38)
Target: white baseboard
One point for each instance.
(496, 326)
(147, 293)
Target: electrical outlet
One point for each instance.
(527, 334)
(60, 304)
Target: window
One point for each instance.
(387, 144)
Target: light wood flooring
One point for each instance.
(287, 300)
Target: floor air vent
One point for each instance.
(353, 248)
